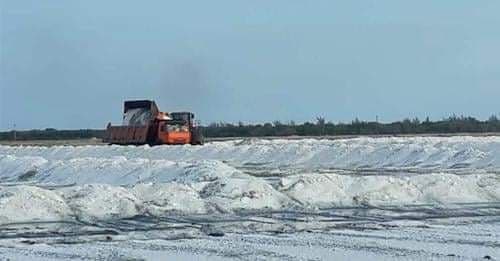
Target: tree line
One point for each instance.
(51, 134)
(318, 127)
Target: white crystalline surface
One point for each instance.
(138, 116)
(254, 185)
(253, 175)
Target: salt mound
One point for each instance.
(229, 195)
(448, 188)
(113, 171)
(206, 171)
(99, 202)
(30, 204)
(13, 167)
(113, 182)
(137, 117)
(161, 199)
(333, 190)
(375, 153)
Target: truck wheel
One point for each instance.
(197, 137)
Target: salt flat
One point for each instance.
(383, 198)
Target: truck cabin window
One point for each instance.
(174, 128)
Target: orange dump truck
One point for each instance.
(143, 123)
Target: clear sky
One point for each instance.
(70, 64)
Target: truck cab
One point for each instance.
(178, 128)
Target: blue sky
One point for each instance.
(70, 64)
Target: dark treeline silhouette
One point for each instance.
(453, 124)
(51, 134)
(320, 127)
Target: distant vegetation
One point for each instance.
(320, 127)
(453, 124)
(51, 134)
